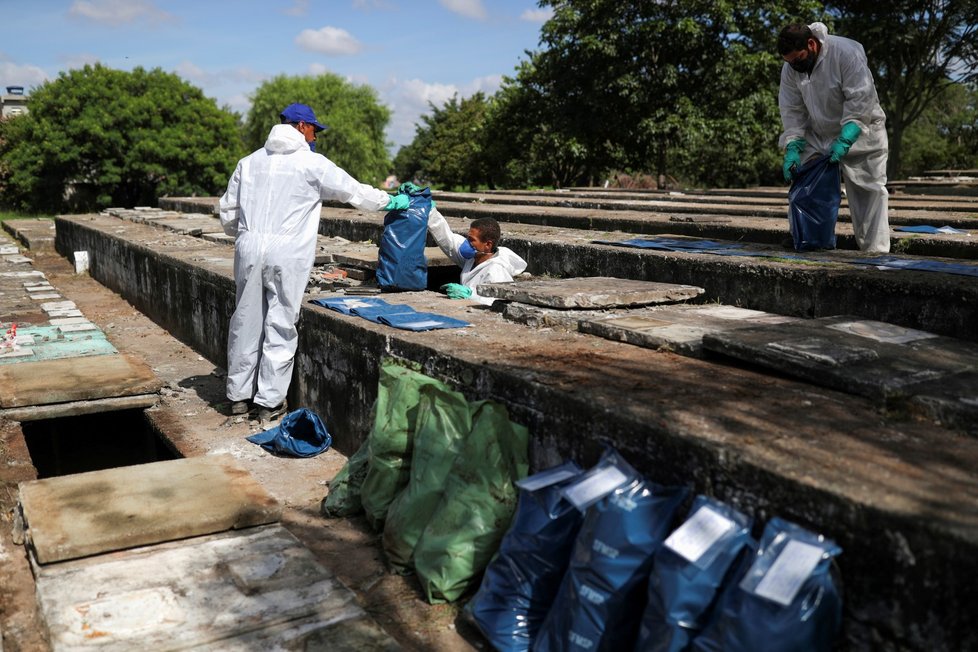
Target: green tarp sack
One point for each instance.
(390, 441)
(475, 512)
(343, 498)
(443, 423)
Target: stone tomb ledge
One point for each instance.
(900, 496)
(589, 292)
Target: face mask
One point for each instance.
(466, 250)
(806, 64)
(312, 146)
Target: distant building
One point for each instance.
(13, 102)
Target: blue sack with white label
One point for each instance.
(694, 562)
(813, 204)
(521, 582)
(787, 600)
(401, 264)
(599, 605)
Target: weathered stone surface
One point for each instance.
(869, 358)
(74, 379)
(677, 328)
(589, 292)
(97, 512)
(257, 589)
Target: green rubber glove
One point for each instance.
(397, 203)
(850, 132)
(409, 188)
(792, 158)
(457, 291)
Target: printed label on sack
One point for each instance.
(357, 303)
(592, 596)
(594, 487)
(789, 571)
(698, 534)
(546, 478)
(580, 641)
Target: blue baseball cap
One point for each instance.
(301, 113)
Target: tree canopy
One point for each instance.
(355, 120)
(97, 137)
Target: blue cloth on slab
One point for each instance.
(300, 434)
(696, 246)
(920, 265)
(346, 304)
(925, 228)
(374, 313)
(419, 321)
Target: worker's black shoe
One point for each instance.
(265, 414)
(239, 407)
(788, 243)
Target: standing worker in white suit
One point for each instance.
(272, 207)
(829, 105)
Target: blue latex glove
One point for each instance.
(397, 203)
(792, 158)
(457, 291)
(850, 132)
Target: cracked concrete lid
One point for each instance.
(589, 292)
(91, 513)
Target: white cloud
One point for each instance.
(17, 74)
(372, 4)
(298, 8)
(467, 8)
(537, 15)
(328, 40)
(216, 78)
(119, 12)
(79, 60)
(409, 100)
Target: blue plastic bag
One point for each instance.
(401, 264)
(599, 605)
(813, 203)
(787, 601)
(300, 434)
(688, 572)
(521, 582)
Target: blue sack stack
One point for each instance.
(401, 264)
(813, 204)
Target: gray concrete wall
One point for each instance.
(900, 497)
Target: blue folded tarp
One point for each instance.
(920, 265)
(923, 228)
(346, 304)
(419, 321)
(695, 247)
(300, 434)
(374, 313)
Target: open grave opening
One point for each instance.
(91, 442)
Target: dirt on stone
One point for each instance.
(193, 414)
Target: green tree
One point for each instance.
(356, 120)
(946, 134)
(916, 48)
(97, 137)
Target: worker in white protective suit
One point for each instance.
(829, 106)
(272, 207)
(478, 254)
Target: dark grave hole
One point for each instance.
(92, 442)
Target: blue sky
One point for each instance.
(411, 51)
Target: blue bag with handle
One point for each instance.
(599, 605)
(401, 264)
(787, 601)
(522, 580)
(813, 203)
(688, 571)
(300, 434)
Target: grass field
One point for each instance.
(9, 215)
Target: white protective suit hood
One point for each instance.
(285, 139)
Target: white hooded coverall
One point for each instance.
(840, 89)
(499, 269)
(272, 206)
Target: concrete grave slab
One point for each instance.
(74, 379)
(221, 238)
(589, 292)
(64, 313)
(366, 257)
(254, 590)
(864, 357)
(32, 273)
(58, 305)
(14, 354)
(6, 250)
(17, 259)
(101, 511)
(951, 401)
(62, 321)
(45, 287)
(45, 295)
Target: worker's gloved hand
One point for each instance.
(792, 158)
(457, 291)
(398, 203)
(850, 132)
(409, 188)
